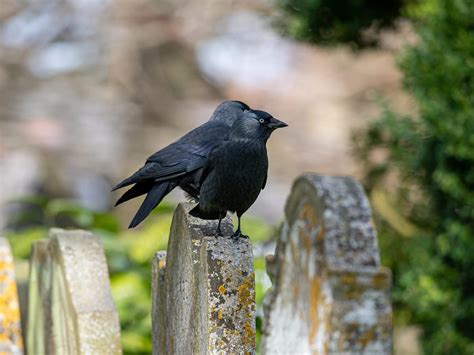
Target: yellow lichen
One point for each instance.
(296, 290)
(221, 289)
(315, 289)
(380, 281)
(319, 312)
(348, 279)
(305, 237)
(248, 337)
(245, 297)
(10, 332)
(161, 264)
(367, 337)
(309, 215)
(320, 235)
(352, 288)
(294, 250)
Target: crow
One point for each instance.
(222, 164)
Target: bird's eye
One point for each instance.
(261, 120)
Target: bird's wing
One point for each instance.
(200, 141)
(154, 171)
(189, 153)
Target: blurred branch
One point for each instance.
(386, 209)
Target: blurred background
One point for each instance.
(382, 91)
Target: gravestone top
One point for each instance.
(203, 290)
(329, 295)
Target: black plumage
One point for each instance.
(222, 164)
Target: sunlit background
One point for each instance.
(380, 90)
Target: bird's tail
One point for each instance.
(140, 188)
(152, 199)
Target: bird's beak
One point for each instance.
(274, 123)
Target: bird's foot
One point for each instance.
(238, 234)
(219, 233)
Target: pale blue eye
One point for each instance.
(261, 120)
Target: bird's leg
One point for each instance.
(238, 234)
(219, 232)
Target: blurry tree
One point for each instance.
(426, 215)
(333, 21)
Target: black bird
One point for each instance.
(222, 164)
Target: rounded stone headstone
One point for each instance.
(330, 295)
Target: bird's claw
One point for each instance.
(237, 235)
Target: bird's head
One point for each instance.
(256, 124)
(228, 112)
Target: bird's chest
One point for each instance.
(236, 177)
(246, 165)
(240, 174)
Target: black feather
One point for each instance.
(197, 212)
(154, 171)
(154, 197)
(137, 190)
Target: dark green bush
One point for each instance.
(333, 21)
(428, 180)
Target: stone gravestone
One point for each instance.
(71, 310)
(10, 329)
(203, 290)
(330, 294)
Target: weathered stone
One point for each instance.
(158, 291)
(207, 294)
(21, 277)
(11, 341)
(71, 310)
(329, 295)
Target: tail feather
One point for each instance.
(154, 197)
(137, 190)
(128, 181)
(146, 172)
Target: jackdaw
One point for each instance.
(222, 164)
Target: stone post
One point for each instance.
(71, 310)
(10, 328)
(330, 294)
(203, 293)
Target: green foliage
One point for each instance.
(43, 212)
(430, 166)
(334, 21)
(129, 254)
